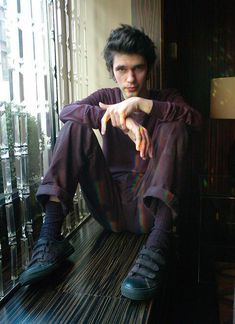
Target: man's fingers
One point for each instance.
(139, 135)
(117, 116)
(135, 129)
(103, 106)
(137, 139)
(144, 143)
(105, 118)
(146, 149)
(103, 126)
(104, 121)
(122, 117)
(113, 120)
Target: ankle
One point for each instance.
(54, 218)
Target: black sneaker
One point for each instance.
(47, 256)
(145, 278)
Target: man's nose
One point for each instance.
(131, 76)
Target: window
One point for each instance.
(35, 42)
(25, 128)
(5, 73)
(21, 85)
(46, 87)
(11, 85)
(20, 39)
(18, 6)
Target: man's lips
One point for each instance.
(131, 89)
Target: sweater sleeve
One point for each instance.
(171, 106)
(85, 111)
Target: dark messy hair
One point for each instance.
(128, 40)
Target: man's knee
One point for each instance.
(170, 137)
(173, 132)
(73, 133)
(74, 127)
(178, 128)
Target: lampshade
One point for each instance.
(223, 98)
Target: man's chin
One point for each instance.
(128, 94)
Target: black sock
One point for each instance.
(54, 218)
(160, 234)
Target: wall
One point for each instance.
(147, 15)
(204, 32)
(102, 17)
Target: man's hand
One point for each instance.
(118, 113)
(139, 135)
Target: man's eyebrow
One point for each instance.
(139, 65)
(120, 66)
(123, 66)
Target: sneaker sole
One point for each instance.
(139, 294)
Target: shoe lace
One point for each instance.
(148, 264)
(42, 252)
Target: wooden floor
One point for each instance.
(86, 289)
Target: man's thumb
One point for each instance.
(103, 106)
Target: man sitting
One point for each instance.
(133, 184)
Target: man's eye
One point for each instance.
(121, 69)
(139, 68)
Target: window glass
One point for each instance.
(26, 127)
(20, 39)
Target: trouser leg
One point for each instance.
(78, 158)
(160, 187)
(159, 236)
(164, 176)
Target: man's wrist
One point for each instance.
(146, 105)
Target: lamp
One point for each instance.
(223, 98)
(223, 107)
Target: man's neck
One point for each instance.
(145, 94)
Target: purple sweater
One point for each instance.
(119, 150)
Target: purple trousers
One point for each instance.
(128, 202)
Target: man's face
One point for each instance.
(130, 72)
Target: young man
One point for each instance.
(134, 183)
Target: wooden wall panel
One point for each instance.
(220, 138)
(147, 14)
(204, 32)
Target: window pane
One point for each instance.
(46, 87)
(25, 126)
(5, 74)
(34, 55)
(20, 38)
(21, 81)
(18, 6)
(11, 85)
